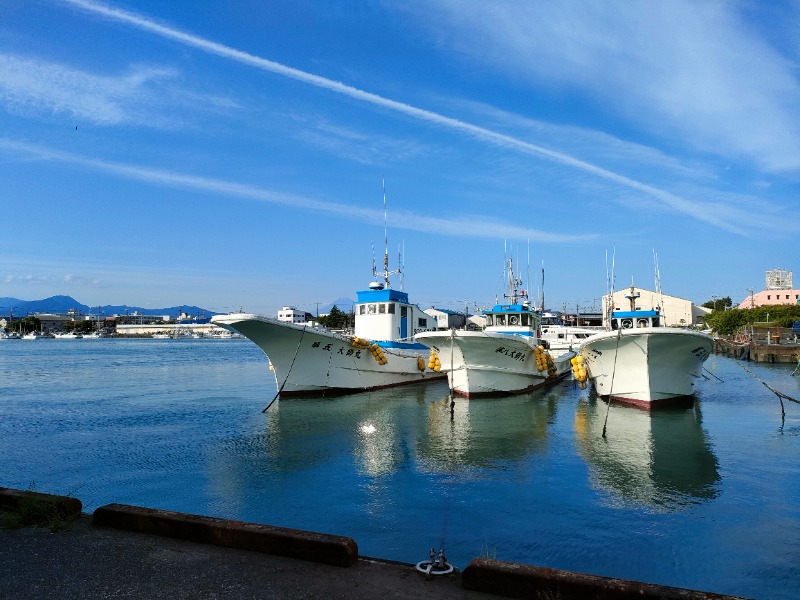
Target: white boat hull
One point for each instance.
(310, 361)
(643, 367)
(481, 363)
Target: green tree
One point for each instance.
(83, 326)
(726, 322)
(29, 323)
(336, 319)
(718, 303)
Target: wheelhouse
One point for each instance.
(383, 314)
(636, 319)
(513, 318)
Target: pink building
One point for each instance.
(771, 298)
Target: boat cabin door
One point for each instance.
(403, 322)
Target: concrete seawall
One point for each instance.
(341, 570)
(304, 545)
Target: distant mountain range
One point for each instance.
(63, 304)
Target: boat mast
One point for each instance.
(513, 284)
(386, 272)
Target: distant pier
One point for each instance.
(767, 345)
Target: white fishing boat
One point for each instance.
(308, 359)
(557, 335)
(68, 335)
(507, 357)
(311, 360)
(642, 361)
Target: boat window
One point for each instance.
(382, 309)
(390, 308)
(361, 309)
(525, 320)
(489, 320)
(627, 323)
(500, 320)
(513, 320)
(403, 311)
(641, 323)
(423, 322)
(370, 309)
(656, 322)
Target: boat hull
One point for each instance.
(308, 361)
(646, 367)
(480, 363)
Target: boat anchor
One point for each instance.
(436, 565)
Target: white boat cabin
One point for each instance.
(633, 318)
(516, 319)
(385, 315)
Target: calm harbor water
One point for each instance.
(706, 497)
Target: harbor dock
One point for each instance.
(764, 345)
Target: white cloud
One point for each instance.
(583, 54)
(695, 72)
(469, 226)
(28, 85)
(144, 95)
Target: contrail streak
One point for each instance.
(677, 203)
(466, 227)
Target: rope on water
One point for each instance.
(280, 389)
(611, 389)
(710, 373)
(781, 396)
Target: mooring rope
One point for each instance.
(710, 373)
(452, 374)
(780, 395)
(611, 389)
(291, 366)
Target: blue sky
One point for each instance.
(231, 154)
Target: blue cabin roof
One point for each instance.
(384, 295)
(508, 308)
(618, 314)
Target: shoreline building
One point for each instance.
(778, 291)
(446, 319)
(290, 314)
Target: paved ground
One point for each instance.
(94, 562)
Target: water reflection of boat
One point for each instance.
(660, 458)
(388, 431)
(482, 432)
